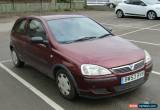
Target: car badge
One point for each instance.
(131, 66)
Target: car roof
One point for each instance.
(52, 17)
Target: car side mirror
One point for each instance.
(38, 40)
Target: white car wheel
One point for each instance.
(120, 14)
(151, 15)
(111, 5)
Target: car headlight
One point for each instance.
(147, 57)
(89, 69)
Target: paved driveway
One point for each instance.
(27, 89)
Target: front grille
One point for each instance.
(129, 68)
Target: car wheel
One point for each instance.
(65, 85)
(111, 5)
(15, 59)
(120, 14)
(151, 15)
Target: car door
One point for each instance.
(138, 8)
(19, 38)
(135, 7)
(38, 55)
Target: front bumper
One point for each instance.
(111, 86)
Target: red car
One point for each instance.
(84, 57)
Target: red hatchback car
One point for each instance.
(84, 57)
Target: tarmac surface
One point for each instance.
(27, 89)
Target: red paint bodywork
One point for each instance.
(107, 52)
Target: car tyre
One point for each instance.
(120, 14)
(65, 85)
(15, 59)
(151, 15)
(111, 5)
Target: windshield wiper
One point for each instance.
(105, 35)
(84, 38)
(66, 42)
(81, 39)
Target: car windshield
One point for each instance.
(70, 30)
(152, 2)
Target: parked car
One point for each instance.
(113, 3)
(84, 57)
(142, 8)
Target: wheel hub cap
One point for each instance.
(111, 5)
(151, 15)
(14, 57)
(119, 13)
(64, 84)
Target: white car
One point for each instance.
(142, 8)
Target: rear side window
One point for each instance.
(20, 27)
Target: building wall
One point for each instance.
(25, 6)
